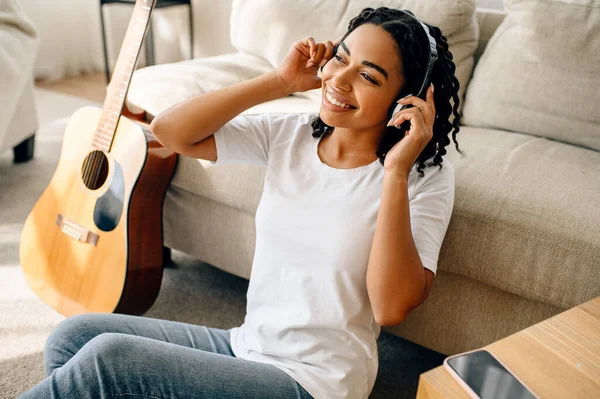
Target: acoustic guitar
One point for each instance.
(93, 241)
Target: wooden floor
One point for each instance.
(91, 86)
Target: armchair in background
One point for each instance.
(19, 41)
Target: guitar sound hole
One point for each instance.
(95, 170)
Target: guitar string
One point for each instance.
(86, 169)
(96, 168)
(97, 172)
(89, 166)
(95, 162)
(93, 158)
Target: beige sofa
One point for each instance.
(523, 243)
(19, 41)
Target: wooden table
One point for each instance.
(557, 358)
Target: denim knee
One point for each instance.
(114, 351)
(65, 340)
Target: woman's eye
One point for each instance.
(368, 78)
(337, 57)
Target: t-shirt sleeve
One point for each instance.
(244, 139)
(248, 139)
(430, 211)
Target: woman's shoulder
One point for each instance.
(434, 176)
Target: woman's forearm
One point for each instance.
(191, 121)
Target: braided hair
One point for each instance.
(413, 46)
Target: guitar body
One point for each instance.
(93, 241)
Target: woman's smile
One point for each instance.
(334, 105)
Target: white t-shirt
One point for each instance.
(308, 311)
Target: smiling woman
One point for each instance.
(344, 244)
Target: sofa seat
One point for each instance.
(526, 239)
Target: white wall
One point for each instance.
(71, 35)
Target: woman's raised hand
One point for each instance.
(300, 66)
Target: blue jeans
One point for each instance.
(107, 355)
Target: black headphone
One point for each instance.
(432, 57)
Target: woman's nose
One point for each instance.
(341, 79)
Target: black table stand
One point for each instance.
(149, 40)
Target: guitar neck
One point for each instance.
(121, 78)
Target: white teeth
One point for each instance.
(332, 100)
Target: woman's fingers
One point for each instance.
(319, 54)
(313, 50)
(400, 119)
(397, 121)
(406, 114)
(312, 46)
(430, 99)
(426, 107)
(328, 53)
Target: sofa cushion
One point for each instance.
(488, 20)
(156, 88)
(269, 28)
(540, 73)
(525, 217)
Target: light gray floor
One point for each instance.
(192, 291)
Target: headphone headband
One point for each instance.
(432, 54)
(431, 58)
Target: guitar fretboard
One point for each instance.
(121, 78)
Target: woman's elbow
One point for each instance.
(156, 126)
(160, 132)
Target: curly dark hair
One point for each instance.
(413, 46)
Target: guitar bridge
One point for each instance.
(76, 231)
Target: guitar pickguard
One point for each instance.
(109, 206)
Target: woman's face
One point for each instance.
(364, 73)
